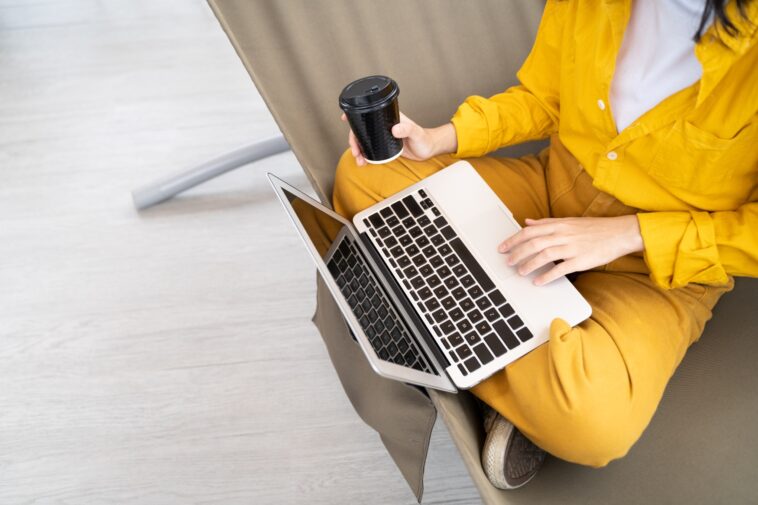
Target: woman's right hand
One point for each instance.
(418, 143)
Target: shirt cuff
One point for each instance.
(471, 130)
(680, 248)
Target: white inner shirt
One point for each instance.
(657, 56)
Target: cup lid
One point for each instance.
(368, 92)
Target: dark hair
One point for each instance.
(717, 8)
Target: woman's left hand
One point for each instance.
(581, 242)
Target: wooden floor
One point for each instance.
(163, 357)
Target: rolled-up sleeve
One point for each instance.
(700, 247)
(527, 111)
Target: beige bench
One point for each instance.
(702, 445)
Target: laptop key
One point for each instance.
(392, 221)
(410, 271)
(436, 261)
(462, 369)
(424, 221)
(464, 326)
(459, 270)
(484, 354)
(497, 298)
(403, 261)
(459, 293)
(437, 240)
(415, 231)
(424, 293)
(448, 233)
(444, 271)
(455, 339)
(491, 314)
(426, 270)
(475, 316)
(483, 327)
(390, 241)
(440, 222)
(408, 222)
(382, 312)
(418, 282)
(434, 281)
(430, 230)
(450, 282)
(467, 281)
(440, 292)
(399, 209)
(472, 338)
(413, 206)
(439, 315)
(483, 303)
(471, 364)
(515, 322)
(524, 334)
(406, 240)
(463, 351)
(497, 347)
(422, 241)
(466, 304)
(432, 304)
(384, 231)
(418, 260)
(428, 250)
(505, 334)
(475, 292)
(386, 212)
(396, 251)
(444, 250)
(507, 311)
(411, 250)
(456, 314)
(452, 260)
(447, 327)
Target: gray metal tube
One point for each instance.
(169, 187)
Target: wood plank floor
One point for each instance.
(163, 357)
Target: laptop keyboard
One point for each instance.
(469, 315)
(375, 313)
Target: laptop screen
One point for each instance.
(321, 228)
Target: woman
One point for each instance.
(648, 191)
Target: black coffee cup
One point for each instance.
(371, 107)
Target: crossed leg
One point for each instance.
(586, 395)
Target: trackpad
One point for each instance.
(484, 233)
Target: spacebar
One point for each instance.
(468, 259)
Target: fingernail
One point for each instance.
(538, 282)
(510, 261)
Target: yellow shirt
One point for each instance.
(690, 164)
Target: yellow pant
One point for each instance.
(586, 395)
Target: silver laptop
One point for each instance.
(422, 287)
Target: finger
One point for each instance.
(403, 130)
(523, 235)
(521, 252)
(542, 220)
(360, 160)
(544, 257)
(343, 117)
(353, 142)
(559, 270)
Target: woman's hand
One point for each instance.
(580, 242)
(418, 143)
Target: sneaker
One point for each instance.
(509, 459)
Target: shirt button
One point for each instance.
(612, 155)
(600, 104)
